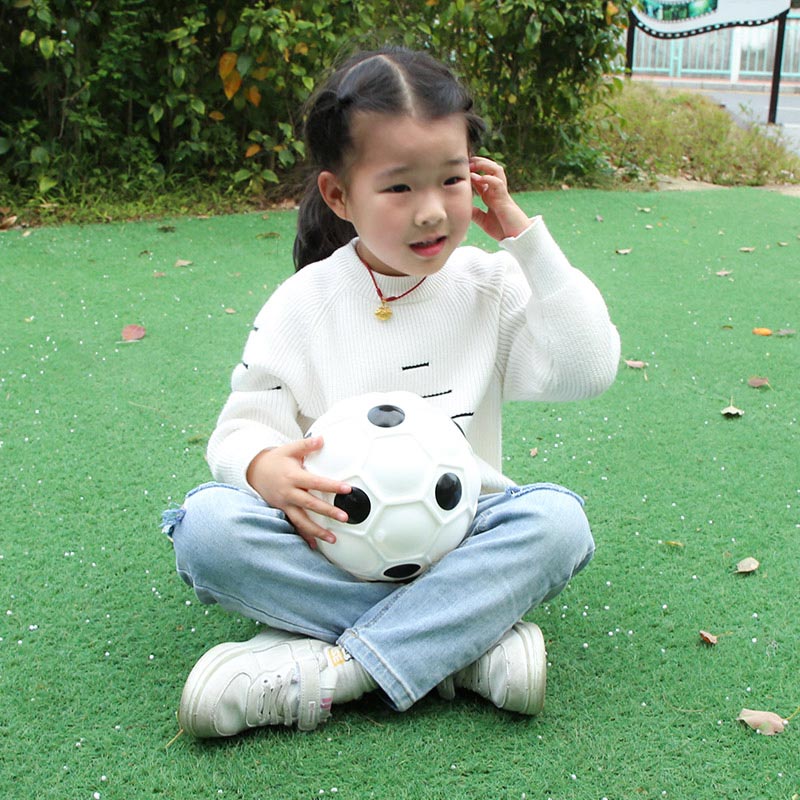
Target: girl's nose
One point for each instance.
(430, 212)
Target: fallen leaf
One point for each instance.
(783, 244)
(762, 331)
(644, 210)
(599, 218)
(675, 544)
(182, 262)
(747, 249)
(635, 364)
(723, 273)
(166, 228)
(785, 332)
(766, 722)
(534, 452)
(708, 638)
(230, 310)
(159, 274)
(757, 382)
(732, 411)
(624, 251)
(6, 223)
(747, 565)
(132, 333)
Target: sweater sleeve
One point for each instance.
(261, 410)
(560, 343)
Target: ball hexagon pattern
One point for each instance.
(415, 484)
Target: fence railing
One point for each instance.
(730, 54)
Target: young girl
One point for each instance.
(385, 297)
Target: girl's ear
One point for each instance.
(333, 193)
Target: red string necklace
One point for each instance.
(383, 311)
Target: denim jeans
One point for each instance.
(522, 548)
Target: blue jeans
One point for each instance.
(522, 548)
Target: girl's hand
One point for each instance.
(279, 477)
(503, 218)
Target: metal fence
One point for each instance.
(730, 54)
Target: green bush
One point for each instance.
(133, 93)
(648, 132)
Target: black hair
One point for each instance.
(385, 81)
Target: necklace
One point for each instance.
(384, 311)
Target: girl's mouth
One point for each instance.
(429, 248)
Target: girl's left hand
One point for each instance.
(503, 218)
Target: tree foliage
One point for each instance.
(129, 92)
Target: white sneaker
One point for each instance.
(512, 674)
(276, 678)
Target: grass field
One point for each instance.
(97, 436)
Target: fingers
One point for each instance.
(308, 529)
(280, 477)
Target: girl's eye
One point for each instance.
(456, 179)
(398, 188)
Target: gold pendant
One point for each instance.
(383, 312)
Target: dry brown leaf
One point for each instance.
(723, 273)
(624, 251)
(708, 638)
(762, 331)
(747, 249)
(182, 262)
(534, 452)
(747, 565)
(757, 382)
(765, 722)
(230, 310)
(132, 333)
(635, 363)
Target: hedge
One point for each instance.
(131, 93)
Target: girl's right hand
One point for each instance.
(279, 476)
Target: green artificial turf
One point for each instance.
(97, 633)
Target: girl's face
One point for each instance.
(407, 191)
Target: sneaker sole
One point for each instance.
(536, 657)
(192, 718)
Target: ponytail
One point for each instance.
(319, 231)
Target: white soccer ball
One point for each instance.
(415, 484)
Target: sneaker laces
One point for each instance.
(273, 703)
(286, 699)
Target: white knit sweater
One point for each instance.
(516, 325)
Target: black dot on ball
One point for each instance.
(386, 416)
(448, 491)
(401, 571)
(356, 504)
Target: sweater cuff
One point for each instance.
(542, 261)
(230, 461)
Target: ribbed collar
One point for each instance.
(358, 275)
